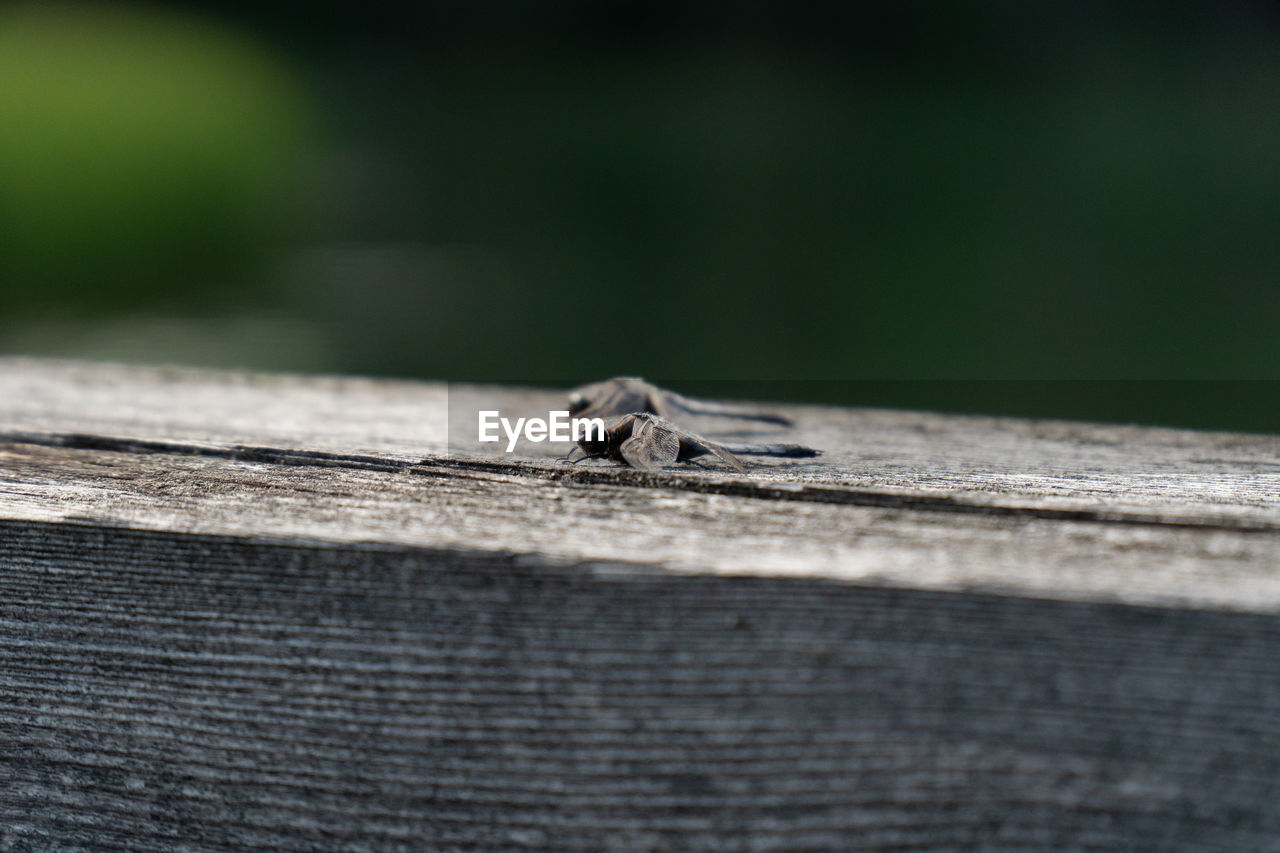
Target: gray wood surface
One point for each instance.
(314, 613)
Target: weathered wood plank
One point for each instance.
(306, 613)
(909, 499)
(570, 522)
(979, 458)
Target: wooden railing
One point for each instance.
(270, 612)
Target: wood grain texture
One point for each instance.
(167, 691)
(308, 613)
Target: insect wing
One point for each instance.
(670, 401)
(652, 445)
(614, 397)
(586, 397)
(716, 450)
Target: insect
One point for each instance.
(647, 441)
(624, 395)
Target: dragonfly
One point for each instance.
(624, 395)
(647, 441)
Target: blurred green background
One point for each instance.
(938, 205)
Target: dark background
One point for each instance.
(939, 205)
